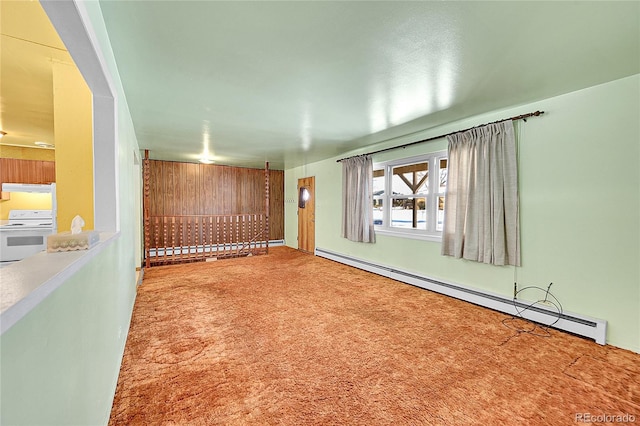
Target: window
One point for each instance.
(409, 196)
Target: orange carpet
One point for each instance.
(292, 339)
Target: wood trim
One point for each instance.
(266, 202)
(145, 206)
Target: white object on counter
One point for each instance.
(68, 241)
(76, 224)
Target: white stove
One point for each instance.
(25, 233)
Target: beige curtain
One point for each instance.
(481, 210)
(357, 199)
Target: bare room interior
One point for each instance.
(350, 212)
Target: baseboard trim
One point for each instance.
(592, 328)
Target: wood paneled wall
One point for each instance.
(14, 170)
(207, 189)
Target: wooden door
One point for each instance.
(306, 214)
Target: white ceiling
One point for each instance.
(290, 82)
(294, 82)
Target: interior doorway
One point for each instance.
(306, 214)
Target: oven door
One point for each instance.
(17, 244)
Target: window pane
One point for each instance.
(378, 182)
(378, 213)
(411, 179)
(409, 213)
(303, 197)
(443, 175)
(439, 225)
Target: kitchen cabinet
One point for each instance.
(14, 170)
(27, 171)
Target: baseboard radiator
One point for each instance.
(592, 328)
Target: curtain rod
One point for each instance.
(518, 117)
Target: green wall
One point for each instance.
(60, 363)
(580, 214)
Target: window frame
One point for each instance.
(432, 197)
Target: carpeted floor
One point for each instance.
(292, 339)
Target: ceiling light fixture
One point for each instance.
(43, 144)
(205, 160)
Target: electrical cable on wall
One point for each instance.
(547, 302)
